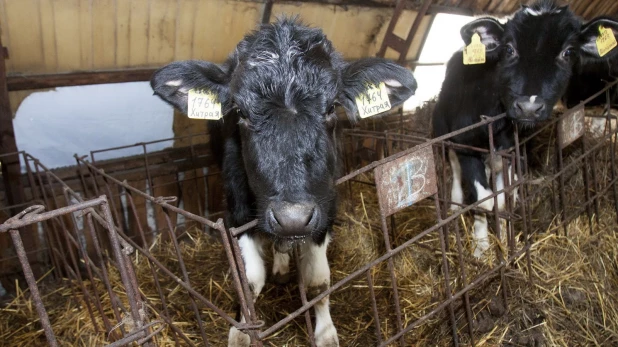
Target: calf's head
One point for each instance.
(536, 50)
(278, 90)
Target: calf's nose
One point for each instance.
(529, 107)
(292, 220)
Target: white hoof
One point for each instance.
(482, 245)
(326, 336)
(238, 339)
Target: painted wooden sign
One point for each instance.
(571, 126)
(406, 180)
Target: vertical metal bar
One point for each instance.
(559, 163)
(595, 183)
(303, 295)
(34, 290)
(374, 307)
(87, 265)
(185, 274)
(74, 261)
(447, 281)
(268, 7)
(151, 184)
(35, 196)
(523, 201)
(123, 264)
(613, 142)
(155, 274)
(464, 283)
(584, 169)
(245, 293)
(54, 232)
(492, 152)
(391, 270)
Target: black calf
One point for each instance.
(278, 139)
(529, 61)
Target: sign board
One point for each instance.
(571, 126)
(406, 180)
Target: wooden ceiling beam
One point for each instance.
(32, 82)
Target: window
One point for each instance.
(54, 125)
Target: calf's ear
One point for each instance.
(173, 82)
(490, 31)
(399, 82)
(589, 34)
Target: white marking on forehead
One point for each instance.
(174, 83)
(541, 11)
(264, 58)
(532, 99)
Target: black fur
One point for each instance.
(279, 133)
(589, 78)
(528, 55)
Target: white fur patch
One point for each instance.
(541, 11)
(325, 332)
(314, 264)
(264, 58)
(456, 189)
(532, 99)
(281, 263)
(393, 83)
(501, 196)
(482, 193)
(174, 83)
(316, 273)
(480, 236)
(251, 250)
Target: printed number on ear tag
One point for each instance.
(202, 104)
(474, 53)
(606, 40)
(373, 100)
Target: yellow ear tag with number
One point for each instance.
(474, 53)
(606, 41)
(202, 104)
(373, 100)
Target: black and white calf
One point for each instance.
(529, 61)
(278, 143)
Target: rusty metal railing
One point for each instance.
(118, 227)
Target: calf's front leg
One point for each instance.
(252, 252)
(316, 277)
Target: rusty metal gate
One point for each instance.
(123, 222)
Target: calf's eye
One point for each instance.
(567, 53)
(510, 51)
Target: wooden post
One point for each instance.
(11, 168)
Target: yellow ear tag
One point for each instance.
(606, 41)
(373, 100)
(202, 104)
(474, 53)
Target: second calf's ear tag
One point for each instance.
(203, 104)
(474, 53)
(606, 41)
(373, 100)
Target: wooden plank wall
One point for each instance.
(56, 36)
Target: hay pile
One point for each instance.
(573, 301)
